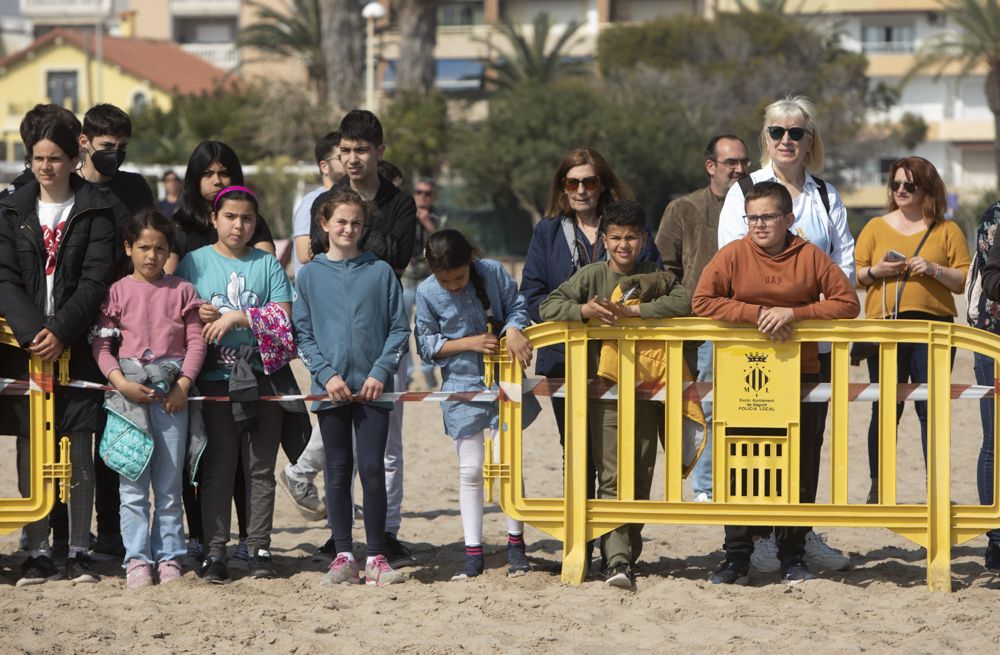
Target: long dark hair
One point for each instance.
(614, 187)
(449, 249)
(192, 210)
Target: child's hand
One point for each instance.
(208, 313)
(774, 322)
(602, 309)
(135, 392)
(370, 390)
(214, 331)
(46, 345)
(177, 399)
(518, 346)
(337, 390)
(485, 343)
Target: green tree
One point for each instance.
(532, 60)
(974, 43)
(417, 133)
(416, 67)
(293, 30)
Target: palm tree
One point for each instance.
(528, 60)
(293, 30)
(417, 67)
(976, 42)
(343, 39)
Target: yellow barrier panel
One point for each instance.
(756, 434)
(44, 470)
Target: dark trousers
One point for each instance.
(371, 425)
(791, 540)
(983, 366)
(559, 409)
(255, 451)
(107, 502)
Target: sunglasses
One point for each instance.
(909, 186)
(776, 132)
(571, 184)
(766, 219)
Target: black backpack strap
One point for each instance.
(824, 194)
(745, 185)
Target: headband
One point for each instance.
(229, 189)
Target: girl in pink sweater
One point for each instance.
(154, 319)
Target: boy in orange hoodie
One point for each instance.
(771, 278)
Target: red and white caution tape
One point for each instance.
(556, 388)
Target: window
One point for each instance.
(61, 87)
(205, 30)
(139, 103)
(460, 13)
(888, 38)
(452, 75)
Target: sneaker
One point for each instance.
(168, 570)
(517, 561)
(380, 573)
(60, 553)
(992, 560)
(241, 557)
(80, 568)
(621, 576)
(138, 573)
(303, 495)
(214, 570)
(821, 555)
(261, 566)
(343, 570)
(327, 552)
(794, 570)
(38, 570)
(107, 548)
(474, 565)
(196, 552)
(702, 497)
(733, 571)
(765, 554)
(396, 553)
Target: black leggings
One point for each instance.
(371, 426)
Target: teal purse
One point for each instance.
(125, 447)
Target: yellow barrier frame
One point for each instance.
(574, 519)
(44, 470)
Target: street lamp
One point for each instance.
(372, 12)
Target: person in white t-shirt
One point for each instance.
(330, 171)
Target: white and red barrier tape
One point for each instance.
(598, 389)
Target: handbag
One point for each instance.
(863, 350)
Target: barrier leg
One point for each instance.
(938, 463)
(575, 554)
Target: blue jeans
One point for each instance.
(164, 472)
(983, 366)
(701, 476)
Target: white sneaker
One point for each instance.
(303, 494)
(702, 497)
(820, 555)
(765, 554)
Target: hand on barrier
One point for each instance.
(46, 345)
(606, 311)
(370, 390)
(337, 390)
(519, 347)
(486, 343)
(775, 322)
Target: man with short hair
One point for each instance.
(171, 193)
(330, 172)
(687, 240)
(429, 221)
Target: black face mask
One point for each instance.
(107, 161)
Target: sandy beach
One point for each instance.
(881, 605)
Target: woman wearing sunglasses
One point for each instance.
(567, 239)
(791, 153)
(912, 261)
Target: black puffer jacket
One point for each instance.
(84, 267)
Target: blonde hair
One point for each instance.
(797, 108)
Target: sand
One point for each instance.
(881, 605)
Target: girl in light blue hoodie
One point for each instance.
(352, 332)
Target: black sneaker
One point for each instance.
(214, 570)
(474, 565)
(517, 561)
(60, 553)
(38, 570)
(80, 568)
(993, 556)
(733, 571)
(621, 576)
(794, 570)
(396, 553)
(260, 565)
(107, 548)
(326, 553)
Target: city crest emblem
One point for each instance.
(756, 374)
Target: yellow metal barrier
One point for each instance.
(751, 437)
(44, 470)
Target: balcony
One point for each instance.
(65, 9)
(888, 47)
(220, 55)
(205, 7)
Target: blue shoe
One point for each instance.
(794, 570)
(733, 571)
(474, 565)
(993, 556)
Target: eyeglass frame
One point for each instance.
(788, 130)
(766, 219)
(736, 162)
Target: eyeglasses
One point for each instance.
(909, 186)
(571, 184)
(776, 132)
(766, 219)
(423, 192)
(733, 163)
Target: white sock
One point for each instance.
(470, 487)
